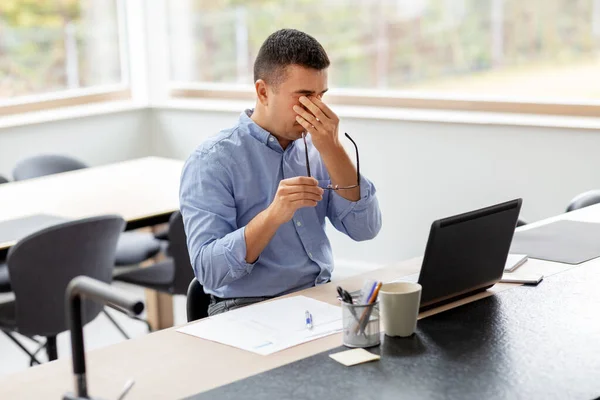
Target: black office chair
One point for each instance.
(585, 199)
(41, 266)
(197, 301)
(4, 279)
(133, 247)
(46, 164)
(171, 275)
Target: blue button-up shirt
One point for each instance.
(234, 176)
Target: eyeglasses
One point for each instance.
(336, 187)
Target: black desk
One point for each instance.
(527, 343)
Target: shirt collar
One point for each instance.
(248, 125)
(262, 135)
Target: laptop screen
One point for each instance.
(467, 252)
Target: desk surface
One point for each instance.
(527, 343)
(168, 364)
(136, 190)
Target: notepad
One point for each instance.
(514, 261)
(354, 357)
(269, 327)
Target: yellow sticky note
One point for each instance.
(354, 356)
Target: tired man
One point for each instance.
(254, 198)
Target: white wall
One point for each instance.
(95, 140)
(422, 171)
(425, 171)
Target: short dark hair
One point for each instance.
(288, 47)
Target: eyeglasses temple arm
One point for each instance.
(357, 160)
(306, 154)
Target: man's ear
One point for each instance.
(262, 92)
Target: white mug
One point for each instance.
(399, 302)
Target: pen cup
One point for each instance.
(360, 324)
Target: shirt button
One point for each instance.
(298, 223)
(271, 139)
(310, 255)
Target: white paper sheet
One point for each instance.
(266, 328)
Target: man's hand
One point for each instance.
(320, 122)
(292, 194)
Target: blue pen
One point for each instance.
(309, 322)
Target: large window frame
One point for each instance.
(83, 96)
(402, 100)
(147, 82)
(394, 99)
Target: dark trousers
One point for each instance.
(218, 305)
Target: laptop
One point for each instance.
(466, 253)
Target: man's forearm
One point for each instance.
(258, 233)
(341, 171)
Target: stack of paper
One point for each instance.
(266, 328)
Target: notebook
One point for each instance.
(514, 261)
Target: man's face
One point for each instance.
(298, 81)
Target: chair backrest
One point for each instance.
(584, 200)
(197, 301)
(45, 164)
(3, 180)
(184, 272)
(42, 264)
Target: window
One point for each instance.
(422, 53)
(55, 49)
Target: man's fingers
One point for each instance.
(303, 189)
(304, 203)
(313, 108)
(306, 125)
(325, 109)
(304, 196)
(300, 180)
(307, 116)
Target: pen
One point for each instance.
(344, 295)
(309, 321)
(364, 319)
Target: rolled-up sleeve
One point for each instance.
(360, 220)
(216, 245)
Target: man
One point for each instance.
(254, 219)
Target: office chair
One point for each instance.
(197, 301)
(41, 266)
(171, 275)
(585, 199)
(46, 164)
(4, 279)
(133, 247)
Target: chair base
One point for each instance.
(51, 349)
(120, 328)
(49, 345)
